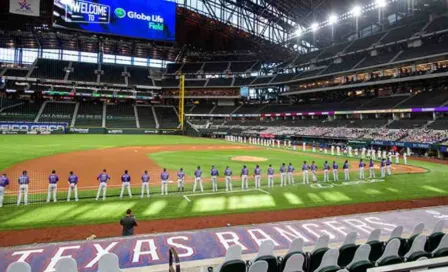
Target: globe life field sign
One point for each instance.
(145, 19)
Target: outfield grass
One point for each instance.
(87, 211)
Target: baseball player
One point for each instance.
(332, 150)
(24, 181)
(72, 186)
(214, 173)
(145, 184)
(373, 154)
(313, 168)
(350, 149)
(372, 169)
(304, 146)
(345, 152)
(363, 153)
(405, 158)
(356, 153)
(305, 177)
(270, 177)
(228, 174)
(379, 154)
(326, 168)
(291, 174)
(52, 186)
(335, 171)
(362, 165)
(257, 176)
(244, 178)
(198, 179)
(368, 153)
(102, 178)
(397, 158)
(383, 168)
(384, 154)
(180, 180)
(338, 150)
(164, 181)
(283, 175)
(314, 146)
(4, 182)
(125, 183)
(346, 171)
(389, 167)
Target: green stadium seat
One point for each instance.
(329, 261)
(266, 253)
(442, 248)
(360, 262)
(232, 261)
(296, 248)
(348, 249)
(417, 250)
(436, 236)
(320, 249)
(376, 246)
(390, 255)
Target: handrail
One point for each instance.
(173, 257)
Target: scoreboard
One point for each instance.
(145, 19)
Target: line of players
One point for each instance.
(286, 177)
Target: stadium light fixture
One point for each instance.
(381, 3)
(332, 19)
(356, 11)
(314, 26)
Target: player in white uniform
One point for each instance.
(304, 146)
(405, 158)
(52, 186)
(338, 150)
(397, 158)
(24, 181)
(379, 154)
(332, 150)
(356, 153)
(145, 184)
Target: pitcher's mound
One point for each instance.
(249, 159)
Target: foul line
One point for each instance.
(226, 192)
(186, 197)
(264, 191)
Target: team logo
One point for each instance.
(24, 5)
(120, 13)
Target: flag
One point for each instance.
(25, 7)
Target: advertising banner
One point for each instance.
(145, 19)
(25, 7)
(31, 128)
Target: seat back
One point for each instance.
(442, 249)
(109, 263)
(266, 249)
(259, 266)
(316, 258)
(396, 233)
(322, 242)
(233, 253)
(66, 265)
(390, 251)
(376, 250)
(361, 255)
(418, 229)
(348, 249)
(271, 260)
(329, 261)
(434, 240)
(294, 263)
(19, 267)
(233, 266)
(374, 235)
(417, 249)
(296, 246)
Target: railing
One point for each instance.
(173, 257)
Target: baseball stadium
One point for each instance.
(223, 135)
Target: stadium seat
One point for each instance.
(329, 261)
(66, 265)
(109, 263)
(19, 267)
(348, 249)
(396, 234)
(266, 253)
(442, 248)
(376, 246)
(417, 249)
(435, 237)
(296, 248)
(259, 266)
(318, 252)
(418, 229)
(390, 255)
(233, 261)
(360, 262)
(295, 263)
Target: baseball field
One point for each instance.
(88, 155)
